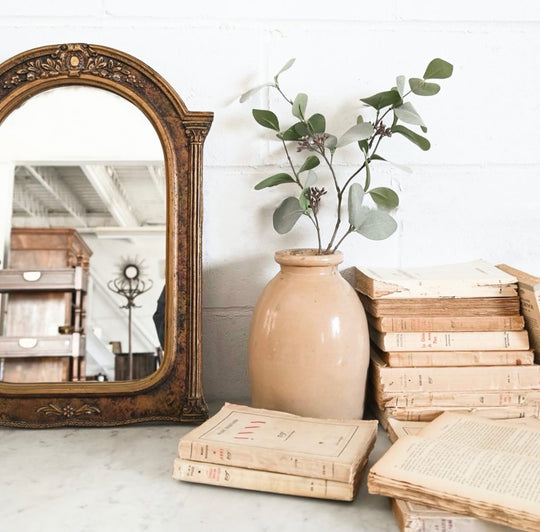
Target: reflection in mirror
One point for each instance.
(89, 200)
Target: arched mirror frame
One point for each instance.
(174, 391)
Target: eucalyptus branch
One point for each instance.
(348, 232)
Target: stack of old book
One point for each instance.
(448, 338)
(462, 472)
(266, 450)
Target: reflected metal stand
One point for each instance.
(130, 285)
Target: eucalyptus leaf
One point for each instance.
(423, 88)
(286, 66)
(358, 132)
(295, 132)
(400, 85)
(311, 179)
(311, 162)
(384, 197)
(383, 99)
(357, 211)
(303, 200)
(274, 180)
(266, 119)
(331, 143)
(317, 123)
(287, 214)
(377, 225)
(407, 113)
(420, 141)
(438, 69)
(248, 94)
(299, 106)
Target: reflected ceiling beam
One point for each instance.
(25, 200)
(111, 193)
(125, 232)
(49, 180)
(157, 175)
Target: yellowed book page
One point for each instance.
(275, 441)
(458, 458)
(251, 479)
(471, 279)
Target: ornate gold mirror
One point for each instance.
(173, 392)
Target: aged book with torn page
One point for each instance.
(259, 480)
(470, 465)
(470, 279)
(529, 294)
(246, 437)
(450, 340)
(446, 323)
(414, 517)
(442, 306)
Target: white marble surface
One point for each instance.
(119, 479)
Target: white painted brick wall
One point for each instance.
(475, 194)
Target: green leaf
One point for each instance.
(358, 132)
(400, 85)
(295, 132)
(363, 145)
(266, 119)
(287, 214)
(376, 157)
(438, 69)
(317, 123)
(384, 197)
(383, 99)
(377, 225)
(248, 94)
(420, 141)
(303, 200)
(311, 162)
(359, 119)
(423, 88)
(408, 114)
(286, 66)
(299, 106)
(357, 212)
(274, 180)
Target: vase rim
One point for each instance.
(307, 257)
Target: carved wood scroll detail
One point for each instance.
(68, 410)
(73, 60)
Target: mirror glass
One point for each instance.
(89, 195)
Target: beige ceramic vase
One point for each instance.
(309, 340)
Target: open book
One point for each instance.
(469, 465)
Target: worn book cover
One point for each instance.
(529, 294)
(452, 379)
(470, 279)
(442, 306)
(469, 465)
(446, 323)
(258, 480)
(253, 438)
(450, 340)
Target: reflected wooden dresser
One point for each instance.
(45, 287)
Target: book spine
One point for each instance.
(487, 378)
(441, 323)
(451, 341)
(457, 358)
(449, 399)
(251, 479)
(271, 460)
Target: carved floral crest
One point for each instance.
(68, 410)
(71, 60)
